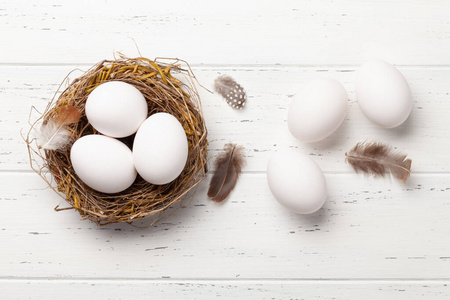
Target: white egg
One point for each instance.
(103, 163)
(160, 149)
(383, 94)
(116, 109)
(296, 181)
(317, 110)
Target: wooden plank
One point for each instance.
(370, 229)
(171, 289)
(235, 32)
(261, 128)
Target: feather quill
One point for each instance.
(378, 159)
(232, 91)
(228, 165)
(54, 135)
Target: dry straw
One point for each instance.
(164, 93)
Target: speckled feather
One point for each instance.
(232, 91)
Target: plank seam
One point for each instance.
(351, 67)
(241, 280)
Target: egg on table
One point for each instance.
(103, 163)
(383, 94)
(296, 181)
(317, 110)
(160, 149)
(116, 109)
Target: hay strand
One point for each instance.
(164, 93)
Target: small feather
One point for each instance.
(378, 159)
(67, 114)
(54, 135)
(228, 168)
(233, 93)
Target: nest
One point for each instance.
(164, 93)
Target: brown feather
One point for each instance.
(232, 91)
(378, 159)
(54, 135)
(66, 115)
(228, 168)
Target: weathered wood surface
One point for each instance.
(373, 239)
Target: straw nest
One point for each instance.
(164, 93)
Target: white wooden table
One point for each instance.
(373, 239)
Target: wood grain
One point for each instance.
(234, 32)
(232, 289)
(261, 127)
(367, 229)
(374, 239)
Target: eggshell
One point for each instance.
(383, 94)
(160, 149)
(116, 109)
(296, 181)
(317, 110)
(103, 163)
